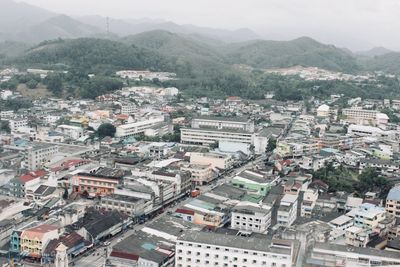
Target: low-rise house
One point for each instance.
(254, 181)
(34, 240)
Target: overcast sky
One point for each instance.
(357, 24)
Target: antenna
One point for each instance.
(108, 25)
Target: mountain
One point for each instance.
(196, 53)
(389, 62)
(376, 51)
(9, 49)
(303, 51)
(91, 55)
(60, 26)
(135, 26)
(15, 17)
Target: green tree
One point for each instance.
(271, 144)
(106, 129)
(54, 84)
(32, 84)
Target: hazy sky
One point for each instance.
(357, 24)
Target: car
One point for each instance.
(107, 243)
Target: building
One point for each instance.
(138, 127)
(128, 108)
(326, 254)
(128, 205)
(249, 217)
(100, 182)
(73, 132)
(287, 211)
(34, 240)
(219, 161)
(21, 186)
(17, 124)
(358, 113)
(393, 201)
(368, 216)
(201, 174)
(323, 111)
(38, 154)
(210, 130)
(198, 249)
(310, 197)
(253, 181)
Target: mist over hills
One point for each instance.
(195, 49)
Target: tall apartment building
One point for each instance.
(138, 127)
(38, 155)
(393, 201)
(201, 249)
(251, 218)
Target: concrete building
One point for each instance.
(38, 154)
(16, 124)
(393, 201)
(100, 182)
(323, 111)
(253, 181)
(198, 249)
(368, 216)
(201, 174)
(249, 217)
(73, 132)
(128, 108)
(138, 127)
(34, 240)
(310, 197)
(219, 161)
(287, 211)
(326, 254)
(210, 130)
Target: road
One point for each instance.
(96, 257)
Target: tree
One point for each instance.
(54, 84)
(106, 129)
(32, 84)
(271, 144)
(5, 126)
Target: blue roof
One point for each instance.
(394, 193)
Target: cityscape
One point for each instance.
(171, 147)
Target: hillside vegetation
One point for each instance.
(207, 67)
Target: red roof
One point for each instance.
(183, 211)
(124, 255)
(32, 175)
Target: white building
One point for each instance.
(38, 155)
(128, 108)
(220, 161)
(287, 211)
(5, 94)
(323, 111)
(327, 254)
(250, 217)
(199, 249)
(203, 136)
(309, 200)
(16, 124)
(5, 114)
(73, 132)
(138, 127)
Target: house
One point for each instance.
(34, 240)
(393, 201)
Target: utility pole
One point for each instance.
(108, 25)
